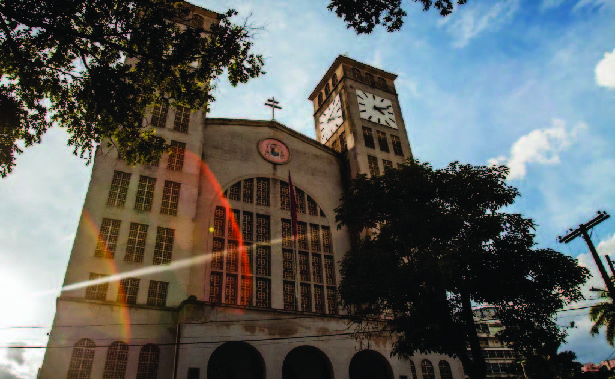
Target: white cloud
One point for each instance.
(605, 71)
(550, 4)
(591, 4)
(468, 23)
(539, 146)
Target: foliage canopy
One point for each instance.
(603, 316)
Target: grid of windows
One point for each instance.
(312, 207)
(157, 293)
(159, 116)
(262, 228)
(427, 370)
(396, 142)
(81, 360)
(97, 291)
(235, 192)
(145, 193)
(319, 299)
(248, 191)
(262, 192)
(107, 238)
(117, 359)
(163, 251)
(300, 197)
(343, 146)
(149, 358)
(284, 196)
(182, 119)
(382, 141)
(368, 137)
(387, 164)
(306, 297)
(119, 189)
(170, 198)
(302, 236)
(127, 293)
(372, 162)
(263, 293)
(135, 247)
(176, 156)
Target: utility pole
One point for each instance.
(610, 262)
(582, 231)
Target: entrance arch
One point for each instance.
(307, 362)
(236, 360)
(370, 364)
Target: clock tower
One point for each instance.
(357, 112)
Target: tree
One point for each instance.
(553, 365)
(95, 66)
(603, 316)
(433, 243)
(364, 15)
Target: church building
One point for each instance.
(188, 268)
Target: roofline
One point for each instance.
(344, 59)
(207, 12)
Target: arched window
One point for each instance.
(382, 83)
(413, 370)
(197, 21)
(236, 360)
(369, 78)
(427, 370)
(369, 364)
(357, 74)
(320, 99)
(149, 357)
(445, 370)
(117, 358)
(327, 89)
(306, 362)
(334, 79)
(81, 360)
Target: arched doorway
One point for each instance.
(369, 364)
(236, 360)
(306, 362)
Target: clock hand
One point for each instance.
(379, 109)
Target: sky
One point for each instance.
(528, 83)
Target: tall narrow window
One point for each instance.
(370, 78)
(304, 267)
(230, 289)
(332, 300)
(317, 267)
(97, 291)
(287, 233)
(319, 299)
(343, 146)
(248, 191)
(176, 156)
(117, 360)
(306, 297)
(262, 191)
(289, 296)
(382, 83)
(315, 237)
(247, 266)
(300, 196)
(320, 99)
(247, 226)
(159, 116)
(149, 358)
(302, 241)
(81, 360)
(246, 290)
(396, 142)
(263, 293)
(284, 196)
(387, 164)
(233, 223)
(128, 291)
(445, 370)
(413, 370)
(170, 198)
(235, 192)
(163, 251)
(368, 137)
(287, 264)
(182, 119)
(382, 141)
(326, 239)
(135, 247)
(334, 79)
(219, 221)
(312, 207)
(107, 238)
(327, 89)
(145, 193)
(217, 254)
(262, 228)
(263, 261)
(374, 169)
(232, 256)
(215, 287)
(157, 293)
(119, 189)
(356, 73)
(427, 370)
(329, 270)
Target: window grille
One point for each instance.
(219, 219)
(329, 270)
(145, 193)
(232, 256)
(288, 271)
(304, 267)
(287, 233)
(312, 207)
(248, 191)
(107, 238)
(319, 299)
(235, 192)
(247, 260)
(327, 89)
(263, 261)
(248, 226)
(284, 196)
(163, 251)
(317, 267)
(262, 228)
(176, 156)
(332, 300)
(135, 247)
(302, 235)
(396, 142)
(300, 197)
(336, 145)
(374, 169)
(217, 254)
(306, 297)
(343, 146)
(157, 293)
(387, 164)
(128, 291)
(263, 293)
(315, 237)
(427, 370)
(215, 287)
(246, 290)
(81, 360)
(334, 79)
(445, 370)
(326, 239)
(262, 192)
(117, 359)
(119, 189)
(289, 296)
(170, 198)
(413, 370)
(233, 224)
(382, 141)
(159, 116)
(182, 119)
(149, 357)
(230, 291)
(97, 291)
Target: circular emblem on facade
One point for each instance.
(274, 151)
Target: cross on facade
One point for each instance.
(273, 103)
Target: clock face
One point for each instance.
(331, 119)
(376, 109)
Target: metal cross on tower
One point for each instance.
(273, 103)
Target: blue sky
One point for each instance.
(530, 83)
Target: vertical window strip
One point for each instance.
(262, 192)
(135, 247)
(332, 300)
(302, 236)
(382, 141)
(329, 270)
(413, 370)
(368, 137)
(247, 260)
(145, 193)
(374, 169)
(263, 293)
(284, 196)
(263, 261)
(248, 191)
(182, 119)
(219, 221)
(289, 295)
(230, 290)
(97, 291)
(246, 291)
(217, 254)
(317, 267)
(117, 360)
(396, 142)
(159, 116)
(427, 369)
(312, 207)
(170, 198)
(304, 267)
(157, 293)
(248, 226)
(319, 299)
(288, 271)
(287, 234)
(315, 237)
(163, 251)
(176, 156)
(235, 192)
(215, 287)
(262, 228)
(233, 224)
(107, 238)
(232, 256)
(128, 291)
(306, 297)
(149, 358)
(80, 366)
(326, 240)
(119, 189)
(300, 196)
